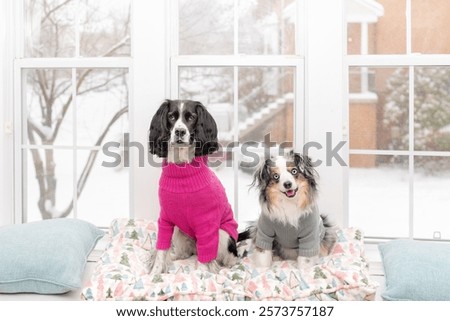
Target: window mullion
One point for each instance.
(240, 60)
(236, 27)
(74, 141)
(397, 60)
(300, 110)
(77, 28)
(411, 151)
(411, 121)
(236, 156)
(21, 170)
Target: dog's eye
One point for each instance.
(171, 117)
(276, 177)
(294, 171)
(191, 118)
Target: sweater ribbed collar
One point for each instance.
(186, 177)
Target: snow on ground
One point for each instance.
(378, 197)
(379, 202)
(105, 196)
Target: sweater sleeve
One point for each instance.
(207, 242)
(165, 232)
(265, 234)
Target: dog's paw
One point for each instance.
(160, 263)
(262, 258)
(177, 256)
(158, 269)
(306, 262)
(212, 267)
(149, 261)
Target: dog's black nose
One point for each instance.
(180, 132)
(287, 185)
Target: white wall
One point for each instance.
(150, 61)
(324, 96)
(6, 108)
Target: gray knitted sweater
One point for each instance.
(305, 237)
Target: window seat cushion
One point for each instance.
(122, 273)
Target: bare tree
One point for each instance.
(54, 91)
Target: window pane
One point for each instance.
(379, 108)
(49, 28)
(206, 27)
(47, 184)
(354, 40)
(376, 27)
(267, 26)
(432, 108)
(48, 106)
(105, 28)
(213, 86)
(428, 18)
(431, 197)
(104, 191)
(266, 104)
(102, 105)
(378, 197)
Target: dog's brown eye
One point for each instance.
(171, 117)
(294, 171)
(276, 177)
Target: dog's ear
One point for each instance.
(159, 132)
(261, 178)
(306, 168)
(205, 132)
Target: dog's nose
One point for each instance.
(287, 185)
(180, 132)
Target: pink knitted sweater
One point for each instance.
(193, 199)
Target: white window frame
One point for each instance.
(312, 107)
(20, 127)
(73, 64)
(247, 61)
(408, 60)
(147, 85)
(236, 60)
(150, 70)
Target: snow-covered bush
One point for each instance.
(431, 108)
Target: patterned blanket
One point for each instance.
(122, 273)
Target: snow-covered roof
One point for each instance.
(363, 11)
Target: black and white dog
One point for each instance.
(290, 225)
(195, 213)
